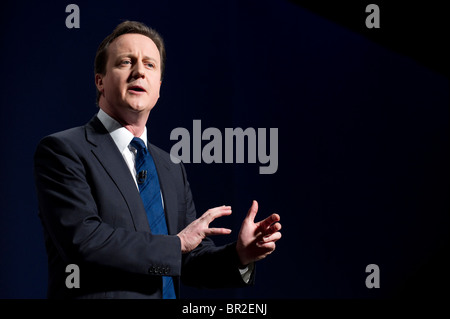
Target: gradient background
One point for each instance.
(363, 120)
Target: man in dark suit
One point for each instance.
(89, 198)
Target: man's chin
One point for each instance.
(139, 108)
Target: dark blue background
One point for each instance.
(363, 137)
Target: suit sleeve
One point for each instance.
(70, 216)
(208, 265)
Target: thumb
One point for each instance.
(252, 211)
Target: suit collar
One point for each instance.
(106, 152)
(121, 136)
(111, 159)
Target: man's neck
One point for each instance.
(134, 122)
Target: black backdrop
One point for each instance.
(362, 117)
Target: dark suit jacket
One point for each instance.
(93, 216)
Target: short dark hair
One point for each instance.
(101, 57)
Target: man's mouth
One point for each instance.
(136, 89)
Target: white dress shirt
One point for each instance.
(122, 138)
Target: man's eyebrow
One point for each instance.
(131, 55)
(149, 58)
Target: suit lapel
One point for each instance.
(105, 150)
(168, 190)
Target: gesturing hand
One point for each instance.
(196, 231)
(257, 240)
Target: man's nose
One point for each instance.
(138, 70)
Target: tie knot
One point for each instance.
(138, 144)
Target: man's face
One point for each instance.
(133, 76)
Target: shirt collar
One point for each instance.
(121, 136)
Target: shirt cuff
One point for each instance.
(247, 272)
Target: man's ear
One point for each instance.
(99, 82)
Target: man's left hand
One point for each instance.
(257, 240)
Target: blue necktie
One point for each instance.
(149, 189)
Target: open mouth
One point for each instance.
(137, 89)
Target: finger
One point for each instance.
(269, 247)
(218, 208)
(272, 229)
(216, 212)
(264, 224)
(217, 231)
(267, 254)
(252, 211)
(271, 238)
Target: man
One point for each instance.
(96, 211)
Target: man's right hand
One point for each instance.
(196, 231)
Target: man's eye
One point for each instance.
(125, 62)
(150, 65)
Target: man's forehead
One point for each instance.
(133, 42)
